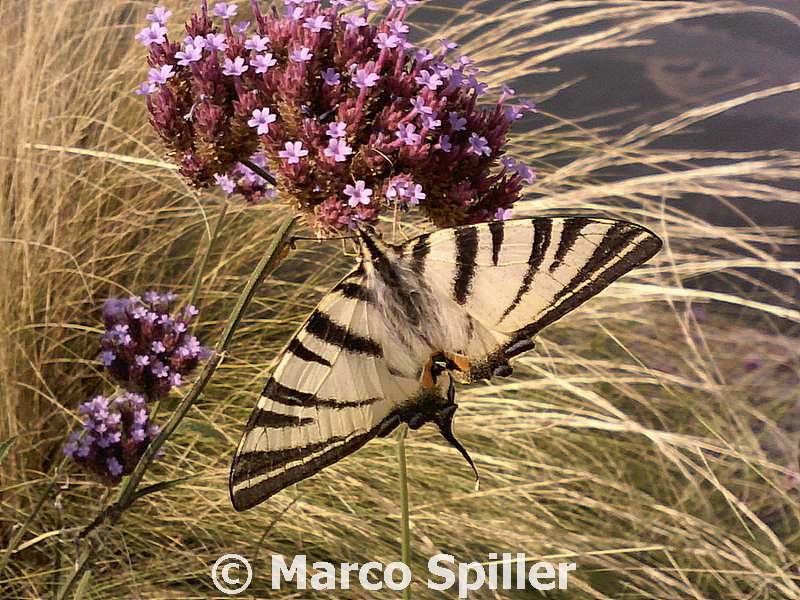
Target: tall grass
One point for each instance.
(645, 440)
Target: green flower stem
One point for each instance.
(127, 494)
(198, 280)
(259, 171)
(404, 514)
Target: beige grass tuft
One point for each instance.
(636, 441)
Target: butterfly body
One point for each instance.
(386, 344)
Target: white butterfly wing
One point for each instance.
(328, 395)
(513, 278)
(364, 360)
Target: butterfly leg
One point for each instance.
(459, 362)
(514, 349)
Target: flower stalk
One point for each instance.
(271, 259)
(405, 535)
(19, 533)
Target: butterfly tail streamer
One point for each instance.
(444, 421)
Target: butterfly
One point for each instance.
(386, 344)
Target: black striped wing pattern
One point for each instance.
(360, 364)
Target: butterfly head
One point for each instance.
(371, 246)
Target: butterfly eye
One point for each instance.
(503, 370)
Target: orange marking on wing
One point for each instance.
(461, 361)
(427, 377)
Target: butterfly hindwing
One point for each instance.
(371, 354)
(329, 392)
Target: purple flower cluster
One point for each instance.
(114, 436)
(350, 116)
(145, 348)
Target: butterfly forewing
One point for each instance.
(522, 274)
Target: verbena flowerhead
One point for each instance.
(146, 348)
(351, 117)
(115, 434)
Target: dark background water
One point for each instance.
(695, 63)
(699, 62)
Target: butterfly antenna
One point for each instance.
(444, 419)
